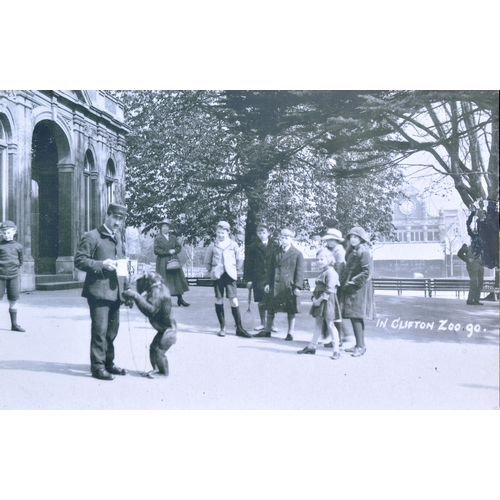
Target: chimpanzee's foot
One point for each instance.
(155, 374)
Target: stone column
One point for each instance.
(64, 262)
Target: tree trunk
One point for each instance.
(494, 156)
(250, 227)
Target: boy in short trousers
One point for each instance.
(222, 260)
(11, 259)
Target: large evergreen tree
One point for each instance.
(282, 156)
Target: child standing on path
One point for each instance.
(222, 260)
(333, 240)
(256, 266)
(284, 284)
(11, 259)
(325, 307)
(358, 301)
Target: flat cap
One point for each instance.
(224, 225)
(7, 224)
(114, 208)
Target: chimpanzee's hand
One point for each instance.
(129, 294)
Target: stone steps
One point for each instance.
(48, 282)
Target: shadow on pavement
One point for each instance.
(480, 386)
(60, 368)
(47, 366)
(272, 344)
(295, 347)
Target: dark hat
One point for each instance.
(165, 222)
(224, 225)
(360, 232)
(114, 208)
(7, 224)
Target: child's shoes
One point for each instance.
(307, 350)
(358, 351)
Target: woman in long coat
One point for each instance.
(357, 288)
(166, 249)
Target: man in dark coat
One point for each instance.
(475, 270)
(97, 255)
(285, 280)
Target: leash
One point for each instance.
(143, 373)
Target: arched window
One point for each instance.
(110, 180)
(89, 190)
(4, 180)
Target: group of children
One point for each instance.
(275, 273)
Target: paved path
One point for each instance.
(414, 360)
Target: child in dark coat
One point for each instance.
(257, 258)
(284, 285)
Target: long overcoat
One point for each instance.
(286, 273)
(175, 279)
(358, 299)
(94, 248)
(256, 266)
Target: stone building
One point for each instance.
(426, 243)
(62, 161)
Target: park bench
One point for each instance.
(239, 283)
(402, 284)
(458, 285)
(199, 281)
(208, 282)
(431, 286)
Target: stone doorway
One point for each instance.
(44, 199)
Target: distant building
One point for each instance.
(426, 244)
(61, 162)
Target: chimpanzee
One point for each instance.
(154, 301)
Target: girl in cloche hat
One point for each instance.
(357, 289)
